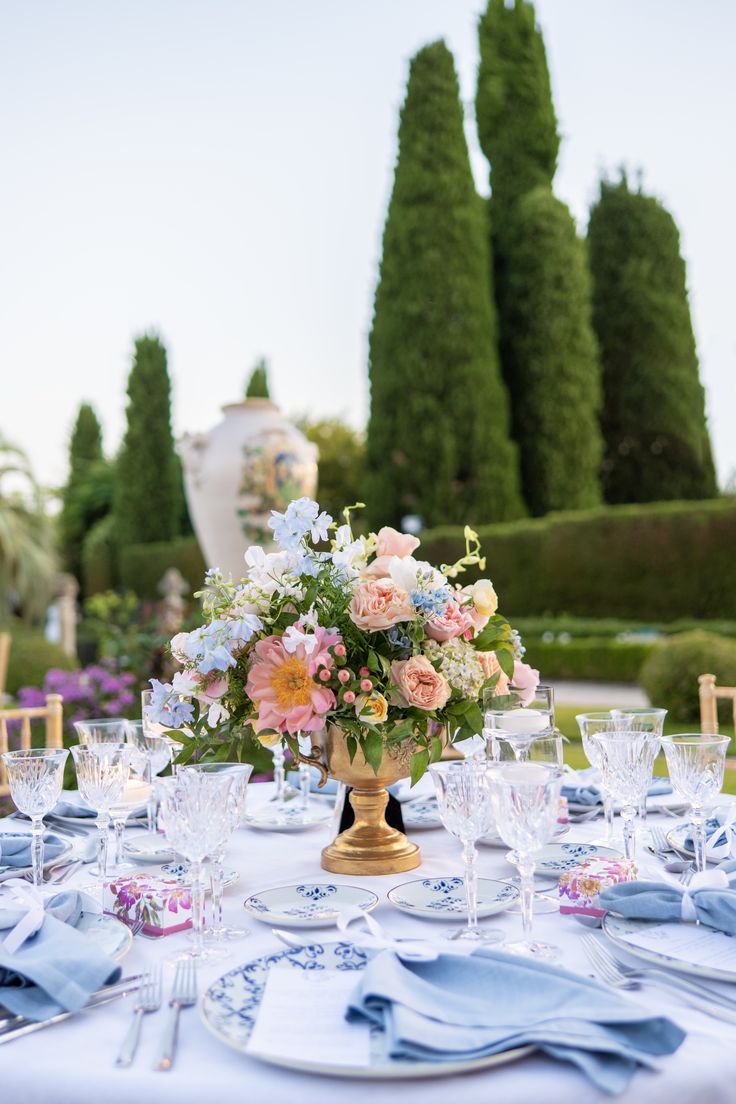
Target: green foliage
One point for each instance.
(549, 355)
(593, 658)
(341, 462)
(257, 386)
(126, 633)
(31, 656)
(142, 566)
(535, 628)
(28, 563)
(85, 446)
(88, 499)
(148, 477)
(99, 556)
(660, 561)
(516, 119)
(670, 675)
(438, 437)
(657, 444)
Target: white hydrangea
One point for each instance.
(459, 664)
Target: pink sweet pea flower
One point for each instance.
(526, 679)
(390, 543)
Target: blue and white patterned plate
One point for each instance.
(444, 898)
(310, 905)
(290, 817)
(556, 858)
(422, 812)
(229, 1009)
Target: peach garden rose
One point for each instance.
(419, 684)
(379, 604)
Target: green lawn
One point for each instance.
(575, 756)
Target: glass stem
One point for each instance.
(471, 885)
(118, 824)
(628, 815)
(197, 907)
(278, 771)
(103, 825)
(216, 880)
(643, 811)
(37, 849)
(151, 803)
(305, 780)
(526, 888)
(698, 823)
(608, 814)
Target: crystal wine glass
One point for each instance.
(35, 776)
(626, 758)
(589, 724)
(696, 764)
(463, 798)
(644, 719)
(102, 771)
(152, 728)
(151, 754)
(240, 772)
(519, 717)
(197, 815)
(526, 801)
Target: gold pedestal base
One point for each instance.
(370, 845)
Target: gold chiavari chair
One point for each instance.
(4, 657)
(52, 713)
(709, 696)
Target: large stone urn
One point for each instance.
(253, 462)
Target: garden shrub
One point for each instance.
(142, 566)
(594, 659)
(31, 656)
(670, 674)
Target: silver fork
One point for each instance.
(621, 976)
(183, 995)
(149, 1000)
(660, 846)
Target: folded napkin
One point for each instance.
(57, 968)
(457, 1008)
(710, 898)
(73, 805)
(720, 834)
(581, 787)
(15, 848)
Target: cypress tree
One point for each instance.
(656, 437)
(550, 356)
(257, 386)
(438, 436)
(87, 494)
(148, 478)
(85, 445)
(548, 349)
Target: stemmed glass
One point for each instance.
(519, 717)
(463, 798)
(589, 724)
(151, 754)
(644, 719)
(152, 728)
(626, 762)
(696, 764)
(218, 931)
(35, 776)
(283, 791)
(197, 815)
(102, 771)
(526, 801)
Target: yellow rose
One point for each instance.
(269, 739)
(484, 597)
(371, 708)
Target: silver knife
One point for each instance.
(16, 1026)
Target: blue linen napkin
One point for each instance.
(457, 1008)
(711, 903)
(56, 969)
(583, 788)
(15, 849)
(720, 835)
(73, 805)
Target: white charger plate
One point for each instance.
(556, 858)
(149, 847)
(229, 1009)
(308, 905)
(108, 934)
(290, 818)
(444, 898)
(620, 930)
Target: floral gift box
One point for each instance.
(163, 905)
(580, 887)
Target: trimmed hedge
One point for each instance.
(659, 561)
(594, 659)
(142, 566)
(534, 628)
(670, 675)
(31, 655)
(98, 557)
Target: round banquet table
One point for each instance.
(73, 1062)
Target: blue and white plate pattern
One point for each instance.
(444, 898)
(422, 812)
(309, 905)
(291, 817)
(556, 858)
(229, 1009)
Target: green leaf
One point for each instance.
(505, 657)
(473, 718)
(352, 745)
(419, 764)
(373, 663)
(436, 750)
(372, 745)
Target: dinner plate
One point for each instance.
(677, 836)
(21, 871)
(229, 1008)
(556, 858)
(108, 934)
(496, 841)
(620, 931)
(149, 847)
(290, 818)
(309, 905)
(444, 898)
(421, 812)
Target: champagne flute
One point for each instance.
(35, 776)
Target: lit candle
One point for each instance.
(524, 721)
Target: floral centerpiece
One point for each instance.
(341, 632)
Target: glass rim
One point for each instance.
(684, 739)
(122, 746)
(102, 721)
(553, 770)
(508, 734)
(35, 753)
(633, 712)
(213, 768)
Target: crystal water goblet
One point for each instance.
(464, 802)
(526, 800)
(153, 728)
(218, 931)
(102, 771)
(589, 724)
(197, 816)
(518, 716)
(35, 777)
(696, 764)
(626, 759)
(643, 719)
(151, 754)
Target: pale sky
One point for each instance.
(218, 170)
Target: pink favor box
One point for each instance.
(563, 814)
(163, 904)
(580, 887)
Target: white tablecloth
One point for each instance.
(72, 1063)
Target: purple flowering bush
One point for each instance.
(95, 691)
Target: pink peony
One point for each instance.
(282, 686)
(455, 621)
(390, 543)
(526, 679)
(419, 684)
(379, 604)
(489, 663)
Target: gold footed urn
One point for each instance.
(370, 845)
